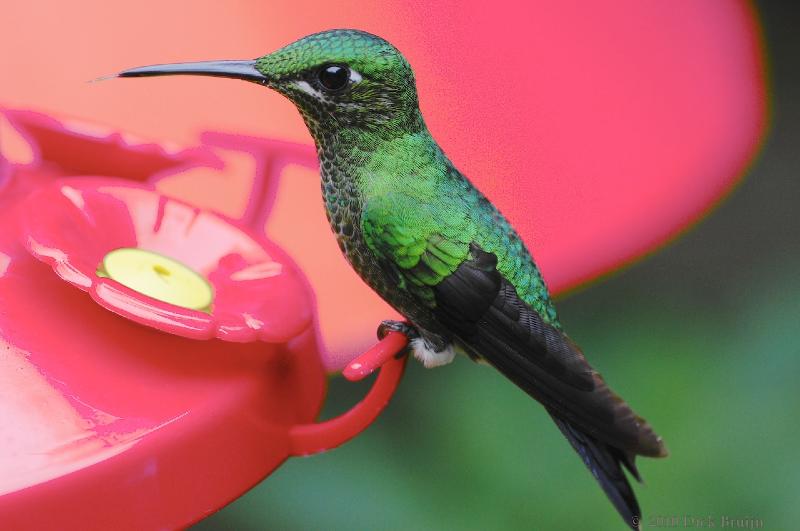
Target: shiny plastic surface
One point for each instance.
(73, 224)
(313, 438)
(159, 427)
(106, 423)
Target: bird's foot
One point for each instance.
(430, 349)
(397, 326)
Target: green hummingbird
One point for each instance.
(427, 241)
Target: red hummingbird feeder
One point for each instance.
(130, 397)
(158, 358)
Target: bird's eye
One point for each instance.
(334, 77)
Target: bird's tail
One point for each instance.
(605, 462)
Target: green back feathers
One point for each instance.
(421, 214)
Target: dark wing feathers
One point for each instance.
(488, 317)
(485, 313)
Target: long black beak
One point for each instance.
(234, 69)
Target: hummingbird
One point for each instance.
(423, 237)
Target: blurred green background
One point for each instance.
(701, 338)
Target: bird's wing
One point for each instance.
(438, 262)
(462, 286)
(488, 317)
(483, 309)
(424, 249)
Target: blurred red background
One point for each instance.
(600, 130)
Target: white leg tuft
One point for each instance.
(429, 357)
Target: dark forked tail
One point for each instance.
(605, 463)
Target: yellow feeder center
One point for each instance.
(158, 277)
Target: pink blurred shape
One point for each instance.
(600, 128)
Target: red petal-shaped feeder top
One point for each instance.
(73, 224)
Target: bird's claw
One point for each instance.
(397, 326)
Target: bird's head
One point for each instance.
(337, 79)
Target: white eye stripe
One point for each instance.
(306, 87)
(309, 89)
